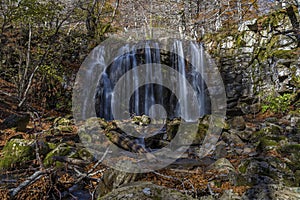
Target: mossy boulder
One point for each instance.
(19, 151)
(62, 149)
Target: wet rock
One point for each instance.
(18, 121)
(172, 128)
(144, 190)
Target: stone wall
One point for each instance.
(259, 58)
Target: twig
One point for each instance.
(99, 161)
(210, 190)
(34, 177)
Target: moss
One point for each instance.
(68, 129)
(267, 143)
(239, 40)
(291, 148)
(243, 167)
(283, 54)
(61, 150)
(17, 152)
(258, 134)
(83, 154)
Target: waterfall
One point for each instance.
(149, 99)
(197, 60)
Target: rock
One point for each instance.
(272, 191)
(233, 139)
(225, 170)
(144, 190)
(62, 149)
(271, 142)
(18, 121)
(238, 123)
(20, 151)
(65, 128)
(230, 195)
(61, 121)
(292, 151)
(113, 179)
(222, 164)
(250, 109)
(143, 120)
(220, 151)
(268, 170)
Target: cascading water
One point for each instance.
(147, 96)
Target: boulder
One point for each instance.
(19, 152)
(18, 121)
(146, 191)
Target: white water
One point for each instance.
(190, 66)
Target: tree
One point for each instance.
(44, 42)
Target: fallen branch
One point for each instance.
(34, 177)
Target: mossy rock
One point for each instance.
(62, 149)
(83, 154)
(172, 128)
(65, 128)
(270, 142)
(63, 121)
(292, 151)
(284, 54)
(144, 190)
(271, 167)
(17, 152)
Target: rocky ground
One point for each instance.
(256, 157)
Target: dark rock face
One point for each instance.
(16, 121)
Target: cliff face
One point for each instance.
(261, 58)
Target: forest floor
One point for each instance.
(66, 181)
